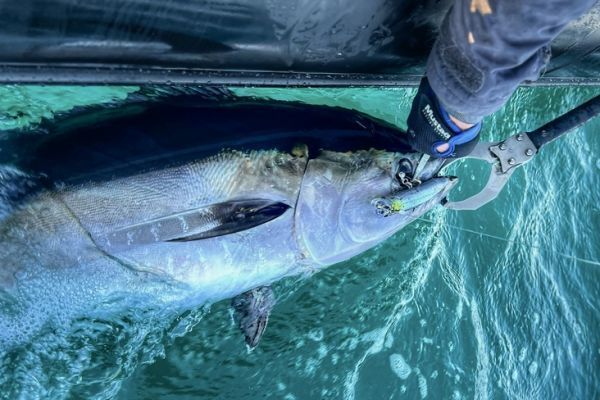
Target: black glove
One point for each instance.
(430, 126)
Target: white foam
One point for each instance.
(533, 367)
(316, 334)
(483, 362)
(389, 340)
(399, 366)
(422, 385)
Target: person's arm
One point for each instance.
(485, 49)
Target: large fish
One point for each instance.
(224, 198)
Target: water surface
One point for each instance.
(496, 303)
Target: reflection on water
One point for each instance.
(501, 302)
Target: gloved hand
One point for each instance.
(430, 126)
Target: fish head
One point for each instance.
(350, 202)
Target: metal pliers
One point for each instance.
(508, 155)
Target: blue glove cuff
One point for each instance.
(460, 137)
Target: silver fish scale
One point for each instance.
(105, 207)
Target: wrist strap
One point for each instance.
(460, 137)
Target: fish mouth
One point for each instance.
(452, 182)
(425, 195)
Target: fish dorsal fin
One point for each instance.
(252, 311)
(201, 223)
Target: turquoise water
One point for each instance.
(496, 303)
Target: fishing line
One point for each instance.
(503, 239)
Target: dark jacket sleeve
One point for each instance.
(486, 48)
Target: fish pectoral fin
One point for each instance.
(201, 223)
(234, 216)
(252, 311)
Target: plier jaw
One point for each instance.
(504, 158)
